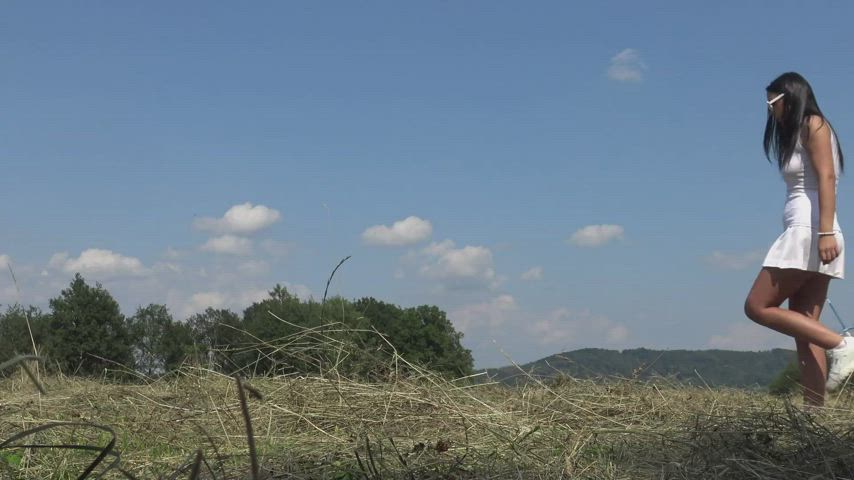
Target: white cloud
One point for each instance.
(437, 249)
(300, 291)
(249, 297)
(58, 260)
(5, 260)
(241, 219)
(167, 267)
(596, 235)
(96, 261)
(563, 326)
(492, 313)
(735, 261)
(200, 301)
(9, 295)
(234, 300)
(408, 231)
(186, 286)
(616, 334)
(254, 268)
(228, 244)
(747, 335)
(471, 264)
(277, 248)
(535, 273)
(627, 66)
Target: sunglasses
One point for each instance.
(773, 101)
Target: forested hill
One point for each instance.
(712, 367)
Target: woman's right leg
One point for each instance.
(771, 288)
(809, 301)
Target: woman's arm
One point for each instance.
(821, 154)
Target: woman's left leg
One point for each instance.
(809, 300)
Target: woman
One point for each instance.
(810, 252)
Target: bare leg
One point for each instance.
(771, 288)
(812, 361)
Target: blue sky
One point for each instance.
(553, 175)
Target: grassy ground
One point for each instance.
(420, 426)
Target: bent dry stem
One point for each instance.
(22, 360)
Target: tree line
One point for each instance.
(85, 333)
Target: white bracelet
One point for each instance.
(821, 234)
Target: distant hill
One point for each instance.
(713, 367)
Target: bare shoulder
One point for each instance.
(815, 132)
(818, 145)
(817, 126)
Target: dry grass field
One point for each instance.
(414, 425)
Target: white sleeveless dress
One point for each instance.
(797, 247)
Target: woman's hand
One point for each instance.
(828, 249)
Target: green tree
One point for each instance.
(272, 325)
(176, 345)
(282, 334)
(440, 343)
(260, 318)
(87, 332)
(217, 338)
(14, 333)
(159, 343)
(423, 335)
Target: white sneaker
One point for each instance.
(841, 364)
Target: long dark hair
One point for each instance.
(781, 137)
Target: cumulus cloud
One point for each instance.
(249, 297)
(300, 291)
(735, 261)
(243, 219)
(277, 248)
(201, 301)
(5, 260)
(627, 66)
(492, 313)
(408, 231)
(596, 235)
(564, 326)
(167, 267)
(535, 273)
(748, 336)
(616, 334)
(228, 244)
(187, 286)
(254, 268)
(472, 264)
(235, 300)
(96, 261)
